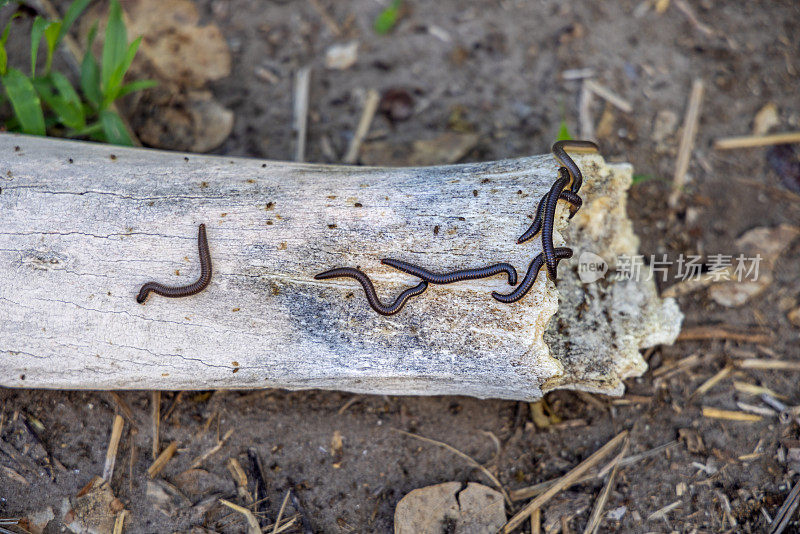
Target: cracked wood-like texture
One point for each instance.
(83, 226)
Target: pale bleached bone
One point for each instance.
(83, 226)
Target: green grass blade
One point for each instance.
(51, 38)
(3, 59)
(388, 18)
(113, 128)
(37, 30)
(115, 83)
(65, 89)
(138, 85)
(563, 132)
(90, 73)
(25, 102)
(73, 12)
(114, 46)
(66, 113)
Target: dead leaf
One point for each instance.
(767, 242)
(192, 121)
(766, 119)
(94, 510)
(794, 317)
(449, 508)
(174, 44)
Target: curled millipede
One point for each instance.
(369, 289)
(575, 204)
(530, 276)
(454, 276)
(559, 151)
(548, 223)
(191, 289)
(544, 221)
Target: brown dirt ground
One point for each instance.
(500, 71)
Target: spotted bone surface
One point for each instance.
(83, 226)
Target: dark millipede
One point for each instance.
(191, 289)
(369, 289)
(561, 155)
(575, 204)
(566, 187)
(530, 276)
(548, 223)
(454, 276)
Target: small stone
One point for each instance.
(341, 56)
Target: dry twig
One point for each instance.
(701, 333)
(155, 417)
(757, 363)
(161, 462)
(252, 523)
(730, 415)
(536, 489)
(370, 107)
(113, 446)
(786, 511)
(302, 83)
(597, 511)
(564, 482)
(690, 121)
(203, 457)
(750, 141)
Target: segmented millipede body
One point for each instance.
(191, 289)
(530, 276)
(369, 289)
(548, 223)
(575, 204)
(559, 151)
(454, 276)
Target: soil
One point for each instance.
(494, 68)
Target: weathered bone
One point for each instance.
(83, 226)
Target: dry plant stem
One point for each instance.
(597, 512)
(280, 512)
(122, 405)
(730, 415)
(155, 417)
(564, 482)
(609, 96)
(113, 446)
(701, 333)
(779, 365)
(786, 510)
(326, 18)
(252, 523)
(161, 462)
(370, 107)
(119, 522)
(532, 491)
(719, 376)
(203, 457)
(302, 83)
(750, 141)
(690, 122)
(536, 521)
(466, 457)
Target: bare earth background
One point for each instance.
(493, 69)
